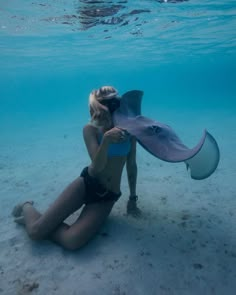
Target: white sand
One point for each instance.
(185, 243)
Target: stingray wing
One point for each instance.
(161, 141)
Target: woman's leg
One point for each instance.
(87, 225)
(40, 226)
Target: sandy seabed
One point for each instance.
(184, 243)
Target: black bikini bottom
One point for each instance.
(95, 191)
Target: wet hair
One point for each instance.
(96, 99)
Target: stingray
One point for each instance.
(161, 140)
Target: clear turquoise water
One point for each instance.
(182, 53)
(183, 56)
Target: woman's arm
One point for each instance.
(131, 168)
(97, 152)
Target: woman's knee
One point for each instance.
(77, 237)
(74, 244)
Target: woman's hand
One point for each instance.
(116, 135)
(132, 209)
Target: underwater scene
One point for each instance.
(172, 66)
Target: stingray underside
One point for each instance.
(161, 141)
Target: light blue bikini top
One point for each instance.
(118, 149)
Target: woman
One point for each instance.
(97, 188)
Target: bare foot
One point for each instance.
(20, 220)
(17, 210)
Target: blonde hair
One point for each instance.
(95, 107)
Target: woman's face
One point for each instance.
(103, 116)
(111, 104)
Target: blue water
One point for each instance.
(182, 55)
